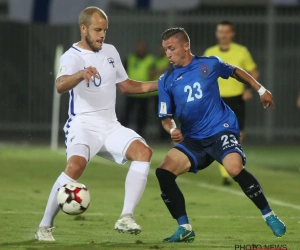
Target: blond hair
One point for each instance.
(86, 15)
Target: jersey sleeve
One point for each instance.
(69, 64)
(225, 69)
(248, 63)
(121, 72)
(165, 103)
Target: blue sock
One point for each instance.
(266, 210)
(183, 220)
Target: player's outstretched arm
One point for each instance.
(135, 87)
(266, 97)
(170, 126)
(65, 83)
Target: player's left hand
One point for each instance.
(176, 136)
(267, 100)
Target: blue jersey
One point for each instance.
(192, 94)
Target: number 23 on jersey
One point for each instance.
(193, 92)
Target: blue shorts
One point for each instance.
(202, 152)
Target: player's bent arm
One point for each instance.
(170, 126)
(67, 82)
(244, 77)
(130, 86)
(247, 95)
(254, 73)
(265, 95)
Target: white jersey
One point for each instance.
(98, 97)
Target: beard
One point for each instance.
(90, 43)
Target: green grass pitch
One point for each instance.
(223, 218)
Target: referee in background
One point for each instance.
(233, 92)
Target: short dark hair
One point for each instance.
(180, 34)
(86, 15)
(226, 22)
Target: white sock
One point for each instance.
(135, 184)
(52, 207)
(187, 226)
(268, 214)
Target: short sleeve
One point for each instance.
(69, 64)
(121, 72)
(225, 69)
(165, 103)
(248, 63)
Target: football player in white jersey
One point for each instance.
(91, 71)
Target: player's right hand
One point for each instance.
(267, 100)
(176, 136)
(89, 73)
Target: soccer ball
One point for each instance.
(73, 198)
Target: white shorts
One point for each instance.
(108, 139)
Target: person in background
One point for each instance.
(298, 101)
(161, 64)
(139, 66)
(233, 92)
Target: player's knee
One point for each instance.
(234, 170)
(163, 174)
(139, 151)
(75, 167)
(143, 153)
(158, 173)
(148, 152)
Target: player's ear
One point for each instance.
(186, 46)
(83, 29)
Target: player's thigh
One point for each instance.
(197, 157)
(176, 162)
(118, 142)
(82, 139)
(226, 146)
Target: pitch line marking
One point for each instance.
(157, 215)
(203, 184)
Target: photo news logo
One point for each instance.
(261, 247)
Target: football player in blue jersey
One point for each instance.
(209, 129)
